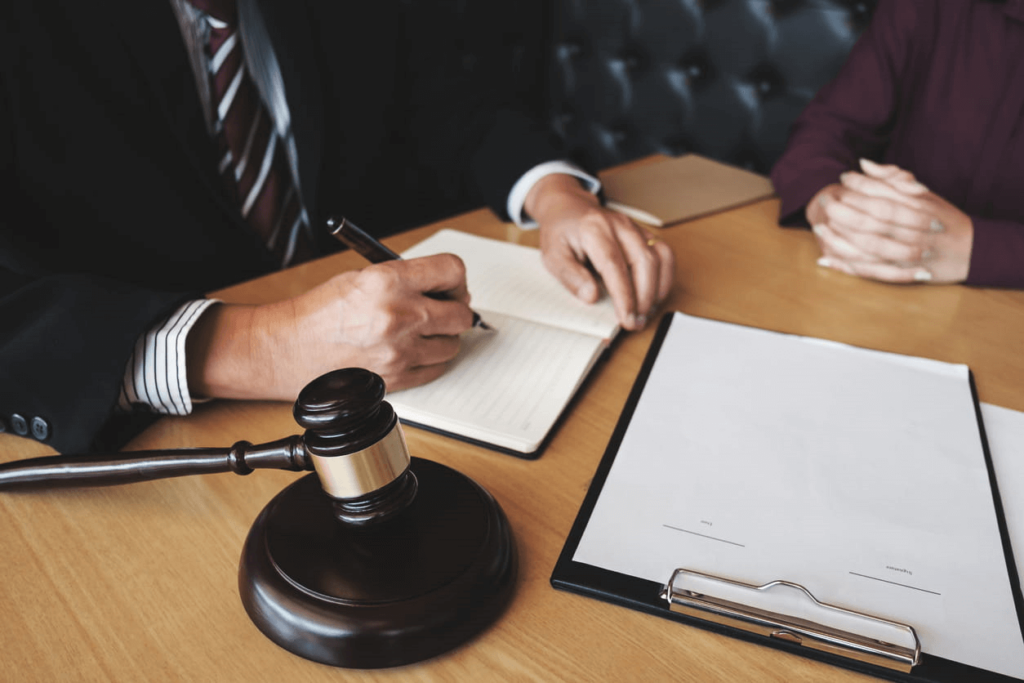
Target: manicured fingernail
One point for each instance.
(915, 187)
(936, 226)
(586, 291)
(922, 276)
(818, 230)
(825, 262)
(640, 321)
(822, 200)
(867, 164)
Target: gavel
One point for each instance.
(375, 560)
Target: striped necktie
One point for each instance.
(252, 156)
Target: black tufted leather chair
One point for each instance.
(722, 78)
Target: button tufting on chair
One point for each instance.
(724, 78)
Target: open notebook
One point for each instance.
(507, 389)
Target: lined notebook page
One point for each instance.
(511, 279)
(506, 388)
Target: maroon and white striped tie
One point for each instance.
(252, 161)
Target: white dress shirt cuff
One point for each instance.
(517, 197)
(155, 376)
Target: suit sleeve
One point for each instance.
(478, 91)
(850, 117)
(65, 338)
(64, 344)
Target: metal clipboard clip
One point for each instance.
(833, 629)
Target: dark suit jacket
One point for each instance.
(112, 213)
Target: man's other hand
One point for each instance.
(579, 238)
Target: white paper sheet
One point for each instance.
(757, 456)
(1005, 431)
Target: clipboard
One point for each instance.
(869, 644)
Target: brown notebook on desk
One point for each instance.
(680, 188)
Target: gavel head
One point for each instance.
(356, 445)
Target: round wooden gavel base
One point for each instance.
(385, 595)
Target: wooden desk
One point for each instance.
(139, 582)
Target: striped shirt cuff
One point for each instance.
(155, 376)
(517, 196)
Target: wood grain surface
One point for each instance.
(139, 582)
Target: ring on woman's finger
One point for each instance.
(652, 241)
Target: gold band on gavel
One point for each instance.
(365, 471)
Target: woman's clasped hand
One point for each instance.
(883, 224)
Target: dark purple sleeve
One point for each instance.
(849, 118)
(997, 254)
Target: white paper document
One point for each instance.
(1005, 431)
(757, 456)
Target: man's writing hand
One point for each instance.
(379, 318)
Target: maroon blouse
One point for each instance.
(936, 87)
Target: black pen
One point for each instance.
(375, 252)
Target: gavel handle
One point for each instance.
(133, 466)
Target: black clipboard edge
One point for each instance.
(622, 590)
(628, 591)
(997, 502)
